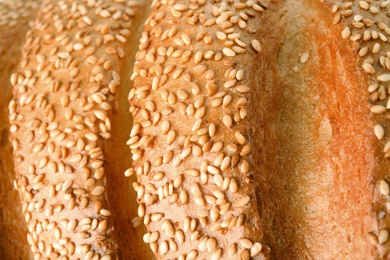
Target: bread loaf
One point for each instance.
(190, 141)
(362, 28)
(16, 17)
(67, 134)
(260, 130)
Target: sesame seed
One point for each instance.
(91, 137)
(239, 138)
(171, 137)
(242, 202)
(211, 244)
(383, 236)
(245, 243)
(192, 172)
(384, 187)
(256, 45)
(98, 190)
(216, 255)
(379, 132)
(232, 249)
(372, 238)
(384, 78)
(378, 109)
(245, 254)
(63, 55)
(369, 68)
(304, 57)
(163, 247)
(169, 230)
(228, 52)
(364, 5)
(346, 33)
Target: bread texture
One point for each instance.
(193, 151)
(363, 26)
(66, 130)
(294, 134)
(315, 139)
(16, 17)
(259, 130)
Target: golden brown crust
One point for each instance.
(15, 19)
(258, 103)
(316, 149)
(190, 140)
(312, 154)
(363, 25)
(64, 100)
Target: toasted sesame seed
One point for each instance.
(169, 230)
(216, 255)
(383, 236)
(346, 33)
(256, 45)
(256, 249)
(171, 137)
(364, 5)
(242, 202)
(372, 238)
(98, 190)
(211, 244)
(63, 55)
(228, 52)
(384, 78)
(163, 247)
(245, 243)
(245, 254)
(384, 187)
(378, 109)
(379, 132)
(227, 120)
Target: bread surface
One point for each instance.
(314, 163)
(67, 133)
(260, 130)
(316, 152)
(193, 152)
(16, 17)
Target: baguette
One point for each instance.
(362, 27)
(16, 17)
(66, 130)
(191, 141)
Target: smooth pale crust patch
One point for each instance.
(190, 139)
(64, 98)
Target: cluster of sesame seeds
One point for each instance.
(13, 13)
(64, 94)
(365, 25)
(16, 17)
(190, 141)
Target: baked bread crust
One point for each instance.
(16, 17)
(191, 145)
(64, 100)
(252, 133)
